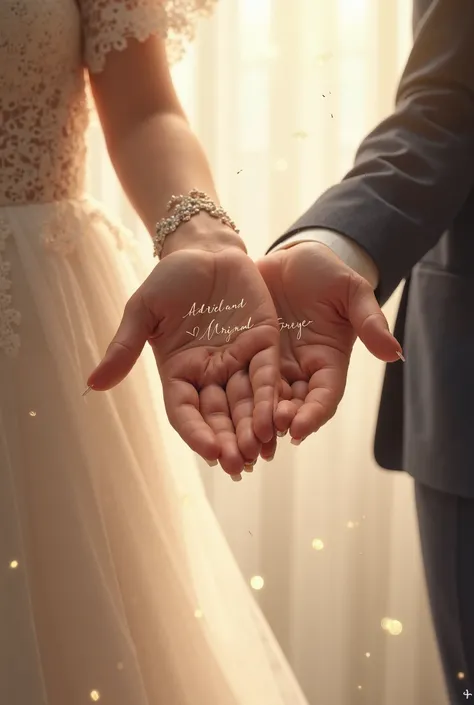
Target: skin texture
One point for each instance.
(223, 394)
(219, 385)
(309, 282)
(219, 395)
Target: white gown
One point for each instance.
(116, 584)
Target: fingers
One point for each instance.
(182, 405)
(124, 350)
(326, 388)
(292, 398)
(268, 450)
(284, 415)
(209, 426)
(264, 378)
(241, 404)
(203, 421)
(370, 323)
(216, 413)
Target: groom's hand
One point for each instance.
(323, 306)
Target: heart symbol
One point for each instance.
(195, 331)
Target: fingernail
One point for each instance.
(400, 355)
(249, 468)
(280, 434)
(89, 389)
(236, 478)
(297, 441)
(268, 460)
(211, 463)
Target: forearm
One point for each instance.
(159, 157)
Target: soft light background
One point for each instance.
(281, 93)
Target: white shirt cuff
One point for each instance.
(346, 249)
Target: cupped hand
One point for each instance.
(212, 325)
(323, 306)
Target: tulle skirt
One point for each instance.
(116, 583)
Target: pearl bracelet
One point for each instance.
(185, 207)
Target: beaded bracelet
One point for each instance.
(185, 207)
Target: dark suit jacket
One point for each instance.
(409, 201)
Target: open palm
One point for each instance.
(213, 329)
(311, 286)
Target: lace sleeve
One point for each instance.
(109, 24)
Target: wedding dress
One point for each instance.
(116, 584)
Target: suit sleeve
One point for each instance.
(413, 173)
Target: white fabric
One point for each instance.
(116, 584)
(346, 249)
(108, 24)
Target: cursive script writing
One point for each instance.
(215, 329)
(196, 310)
(297, 325)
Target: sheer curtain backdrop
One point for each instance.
(281, 93)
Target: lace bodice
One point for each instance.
(45, 46)
(46, 49)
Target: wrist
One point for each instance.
(344, 248)
(202, 232)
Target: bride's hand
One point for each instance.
(219, 384)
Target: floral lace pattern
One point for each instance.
(60, 228)
(9, 317)
(108, 24)
(49, 164)
(44, 112)
(71, 220)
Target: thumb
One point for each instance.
(370, 324)
(124, 350)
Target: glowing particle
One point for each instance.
(392, 626)
(257, 582)
(395, 628)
